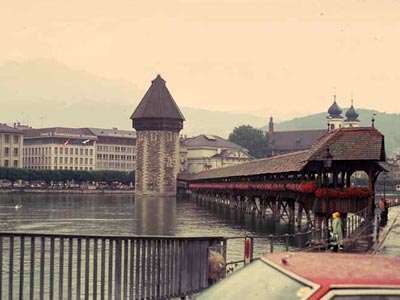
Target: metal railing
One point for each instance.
(255, 246)
(45, 266)
(356, 220)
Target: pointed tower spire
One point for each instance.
(157, 109)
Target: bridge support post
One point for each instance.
(299, 213)
(291, 209)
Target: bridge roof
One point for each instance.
(345, 144)
(362, 143)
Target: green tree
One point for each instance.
(253, 139)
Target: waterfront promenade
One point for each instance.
(390, 234)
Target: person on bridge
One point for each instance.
(383, 205)
(337, 231)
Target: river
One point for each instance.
(127, 215)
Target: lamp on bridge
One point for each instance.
(328, 157)
(384, 185)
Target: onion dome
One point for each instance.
(335, 111)
(351, 114)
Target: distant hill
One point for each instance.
(43, 93)
(387, 123)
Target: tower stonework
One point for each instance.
(157, 121)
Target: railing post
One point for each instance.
(248, 250)
(21, 268)
(271, 241)
(10, 267)
(287, 242)
(118, 264)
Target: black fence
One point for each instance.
(44, 266)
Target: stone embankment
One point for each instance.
(67, 191)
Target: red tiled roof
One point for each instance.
(345, 144)
(362, 143)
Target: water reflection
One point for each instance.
(155, 215)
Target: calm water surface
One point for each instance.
(99, 214)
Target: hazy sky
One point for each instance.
(282, 58)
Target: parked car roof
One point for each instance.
(305, 275)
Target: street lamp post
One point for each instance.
(328, 157)
(384, 185)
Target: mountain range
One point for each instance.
(43, 93)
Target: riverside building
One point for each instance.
(11, 145)
(59, 148)
(115, 149)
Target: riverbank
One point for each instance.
(65, 191)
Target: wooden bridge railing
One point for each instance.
(45, 266)
(353, 222)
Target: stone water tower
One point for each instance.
(157, 121)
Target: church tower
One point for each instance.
(157, 121)
(335, 116)
(351, 117)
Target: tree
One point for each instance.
(253, 139)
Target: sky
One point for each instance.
(283, 58)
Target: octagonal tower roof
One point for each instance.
(157, 109)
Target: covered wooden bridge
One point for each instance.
(316, 182)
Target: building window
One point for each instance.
(15, 151)
(71, 160)
(7, 138)
(86, 161)
(91, 152)
(55, 150)
(76, 151)
(91, 161)
(81, 151)
(62, 150)
(86, 152)
(76, 160)
(6, 163)
(16, 139)
(6, 151)
(71, 151)
(15, 163)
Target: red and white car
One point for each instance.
(303, 275)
